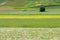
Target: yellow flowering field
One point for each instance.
(28, 16)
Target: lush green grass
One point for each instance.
(30, 23)
(1, 1)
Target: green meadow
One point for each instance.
(30, 23)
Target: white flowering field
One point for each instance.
(29, 33)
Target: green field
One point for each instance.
(33, 11)
(28, 7)
(30, 23)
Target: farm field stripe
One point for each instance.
(28, 16)
(29, 33)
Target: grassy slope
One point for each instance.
(26, 3)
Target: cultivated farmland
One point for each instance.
(29, 33)
(13, 14)
(25, 19)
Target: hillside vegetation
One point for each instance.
(29, 3)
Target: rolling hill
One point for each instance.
(28, 3)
